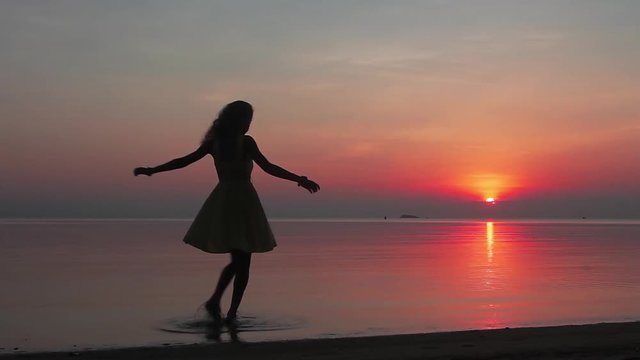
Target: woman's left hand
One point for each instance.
(310, 185)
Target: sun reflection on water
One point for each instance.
(492, 318)
(490, 241)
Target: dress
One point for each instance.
(232, 217)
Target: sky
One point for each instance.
(417, 107)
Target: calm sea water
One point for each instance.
(92, 284)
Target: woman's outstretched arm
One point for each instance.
(173, 164)
(277, 171)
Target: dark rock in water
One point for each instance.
(407, 216)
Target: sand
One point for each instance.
(597, 341)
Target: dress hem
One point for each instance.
(227, 251)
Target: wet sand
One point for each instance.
(596, 341)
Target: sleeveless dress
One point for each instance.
(232, 217)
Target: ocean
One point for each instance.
(87, 284)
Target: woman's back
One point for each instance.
(232, 160)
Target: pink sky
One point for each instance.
(403, 107)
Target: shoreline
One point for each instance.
(592, 341)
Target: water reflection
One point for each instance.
(490, 241)
(491, 309)
(326, 279)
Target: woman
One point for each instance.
(231, 220)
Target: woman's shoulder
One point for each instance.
(250, 146)
(249, 141)
(207, 146)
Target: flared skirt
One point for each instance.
(232, 218)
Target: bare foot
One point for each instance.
(231, 319)
(213, 308)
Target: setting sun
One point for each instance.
(488, 186)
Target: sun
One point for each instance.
(489, 187)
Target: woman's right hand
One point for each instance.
(142, 171)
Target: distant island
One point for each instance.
(407, 216)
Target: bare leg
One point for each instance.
(213, 304)
(242, 262)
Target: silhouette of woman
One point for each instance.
(232, 219)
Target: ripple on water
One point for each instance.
(201, 323)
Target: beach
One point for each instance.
(595, 341)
